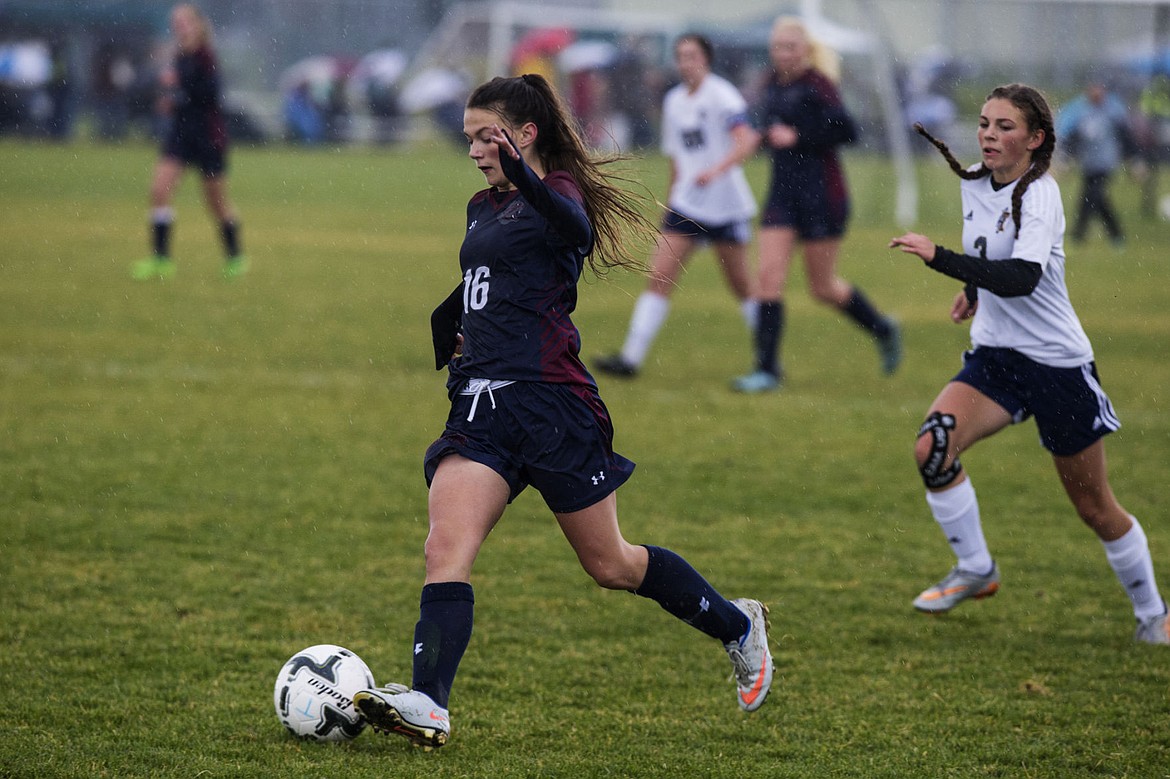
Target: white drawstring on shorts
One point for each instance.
(475, 388)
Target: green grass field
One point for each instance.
(198, 478)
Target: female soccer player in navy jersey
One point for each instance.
(1030, 357)
(196, 136)
(802, 122)
(524, 409)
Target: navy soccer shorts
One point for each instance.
(732, 232)
(198, 151)
(812, 211)
(556, 437)
(1072, 410)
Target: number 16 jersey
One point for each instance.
(520, 275)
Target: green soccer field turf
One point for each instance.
(200, 477)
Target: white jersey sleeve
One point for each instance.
(1042, 325)
(696, 135)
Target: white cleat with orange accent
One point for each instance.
(1155, 630)
(397, 709)
(956, 587)
(751, 657)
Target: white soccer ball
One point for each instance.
(314, 693)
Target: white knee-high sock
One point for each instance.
(957, 512)
(649, 315)
(750, 309)
(1129, 556)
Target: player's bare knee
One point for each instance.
(610, 574)
(439, 550)
(825, 295)
(932, 451)
(1100, 515)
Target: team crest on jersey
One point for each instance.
(1002, 220)
(513, 211)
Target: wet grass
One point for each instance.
(198, 478)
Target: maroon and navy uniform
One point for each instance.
(523, 402)
(197, 134)
(807, 189)
(521, 262)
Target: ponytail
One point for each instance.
(613, 211)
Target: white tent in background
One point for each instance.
(496, 26)
(382, 67)
(586, 55)
(432, 88)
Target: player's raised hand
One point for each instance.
(497, 136)
(913, 243)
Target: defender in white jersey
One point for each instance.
(1030, 357)
(706, 136)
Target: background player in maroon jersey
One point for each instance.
(195, 136)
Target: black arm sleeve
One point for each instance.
(1006, 278)
(566, 216)
(446, 320)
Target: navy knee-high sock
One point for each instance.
(681, 590)
(160, 238)
(440, 637)
(229, 232)
(860, 310)
(769, 333)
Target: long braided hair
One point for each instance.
(615, 213)
(1038, 116)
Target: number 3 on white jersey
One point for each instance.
(475, 288)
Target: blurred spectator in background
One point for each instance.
(589, 98)
(147, 107)
(1153, 136)
(927, 96)
(59, 89)
(536, 52)
(113, 76)
(440, 93)
(596, 92)
(1094, 130)
(633, 93)
(302, 119)
(382, 101)
(337, 122)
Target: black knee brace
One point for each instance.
(939, 426)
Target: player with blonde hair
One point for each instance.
(802, 121)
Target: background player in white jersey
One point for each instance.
(1030, 357)
(706, 135)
